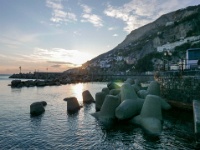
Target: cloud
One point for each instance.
(56, 66)
(60, 16)
(15, 39)
(115, 35)
(86, 9)
(138, 13)
(3, 56)
(61, 56)
(60, 62)
(88, 16)
(112, 28)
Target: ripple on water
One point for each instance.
(56, 129)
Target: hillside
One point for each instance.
(143, 49)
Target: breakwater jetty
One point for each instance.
(37, 75)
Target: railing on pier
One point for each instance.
(180, 88)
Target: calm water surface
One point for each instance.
(56, 129)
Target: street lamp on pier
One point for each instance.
(167, 55)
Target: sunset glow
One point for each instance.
(63, 34)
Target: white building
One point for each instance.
(192, 57)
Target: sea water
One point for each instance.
(56, 129)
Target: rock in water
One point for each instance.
(15, 83)
(87, 97)
(36, 108)
(72, 104)
(44, 103)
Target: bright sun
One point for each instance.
(71, 56)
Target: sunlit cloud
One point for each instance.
(56, 66)
(88, 16)
(60, 62)
(3, 56)
(59, 15)
(138, 13)
(61, 55)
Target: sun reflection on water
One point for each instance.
(77, 90)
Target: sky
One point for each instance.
(55, 35)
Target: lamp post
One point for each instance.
(20, 68)
(167, 54)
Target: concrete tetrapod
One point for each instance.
(127, 92)
(99, 99)
(72, 104)
(105, 90)
(107, 113)
(87, 97)
(153, 89)
(130, 81)
(150, 118)
(136, 86)
(114, 92)
(112, 85)
(129, 108)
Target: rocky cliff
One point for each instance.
(142, 50)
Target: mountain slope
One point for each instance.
(142, 50)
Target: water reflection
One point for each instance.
(77, 90)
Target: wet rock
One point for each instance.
(15, 83)
(44, 103)
(40, 83)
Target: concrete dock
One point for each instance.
(196, 111)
